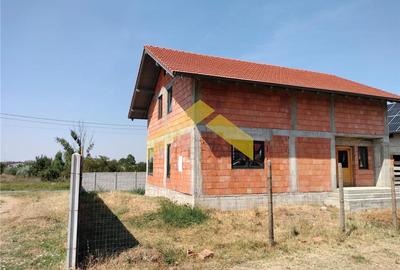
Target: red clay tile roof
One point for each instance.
(190, 63)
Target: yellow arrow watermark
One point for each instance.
(223, 128)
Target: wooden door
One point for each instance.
(344, 155)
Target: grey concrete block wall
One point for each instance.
(107, 181)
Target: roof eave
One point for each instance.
(144, 86)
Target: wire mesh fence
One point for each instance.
(100, 232)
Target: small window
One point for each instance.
(363, 157)
(168, 160)
(159, 106)
(169, 100)
(241, 161)
(150, 157)
(343, 158)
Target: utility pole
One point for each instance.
(270, 206)
(394, 202)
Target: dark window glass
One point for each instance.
(343, 158)
(159, 107)
(150, 156)
(240, 160)
(168, 160)
(363, 157)
(169, 99)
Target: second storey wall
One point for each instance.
(252, 106)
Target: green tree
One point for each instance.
(58, 162)
(81, 144)
(2, 167)
(140, 167)
(127, 164)
(40, 164)
(10, 170)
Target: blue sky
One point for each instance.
(78, 60)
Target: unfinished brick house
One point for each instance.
(304, 122)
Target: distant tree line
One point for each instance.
(59, 167)
(52, 169)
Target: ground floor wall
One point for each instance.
(180, 172)
(394, 144)
(303, 167)
(362, 177)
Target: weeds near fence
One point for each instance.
(139, 191)
(181, 216)
(170, 213)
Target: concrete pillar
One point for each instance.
(292, 145)
(195, 154)
(382, 162)
(73, 212)
(197, 184)
(293, 111)
(332, 114)
(333, 163)
(292, 163)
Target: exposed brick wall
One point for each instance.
(313, 164)
(364, 177)
(248, 106)
(220, 179)
(313, 112)
(168, 126)
(180, 181)
(157, 178)
(181, 100)
(278, 153)
(359, 115)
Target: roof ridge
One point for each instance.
(242, 61)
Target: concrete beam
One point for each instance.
(332, 113)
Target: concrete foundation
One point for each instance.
(259, 200)
(237, 202)
(154, 191)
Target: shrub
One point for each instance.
(139, 191)
(181, 215)
(170, 256)
(24, 171)
(10, 170)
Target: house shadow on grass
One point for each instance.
(100, 233)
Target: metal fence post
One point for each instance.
(94, 182)
(73, 211)
(136, 180)
(394, 202)
(270, 206)
(115, 181)
(341, 199)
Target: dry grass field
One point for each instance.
(16, 183)
(34, 227)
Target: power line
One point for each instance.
(67, 121)
(107, 131)
(132, 128)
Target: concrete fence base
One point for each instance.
(108, 181)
